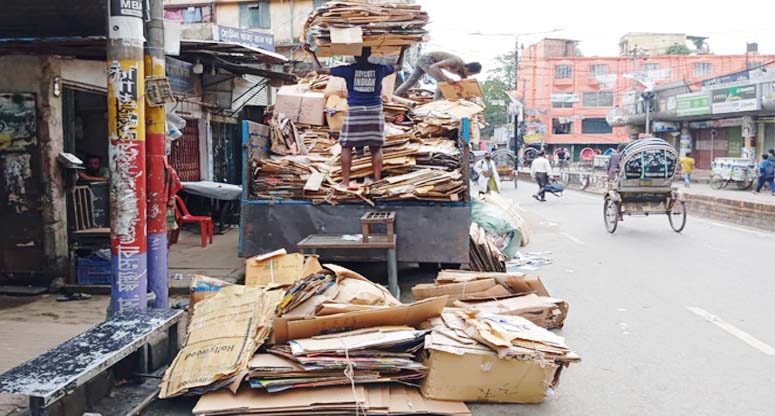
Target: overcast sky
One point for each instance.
(598, 24)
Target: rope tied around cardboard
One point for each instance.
(349, 372)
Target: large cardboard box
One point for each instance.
(466, 88)
(347, 41)
(474, 373)
(336, 111)
(301, 105)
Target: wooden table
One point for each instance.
(315, 242)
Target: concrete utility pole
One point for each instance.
(156, 161)
(126, 132)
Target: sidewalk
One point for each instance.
(220, 260)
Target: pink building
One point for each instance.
(567, 96)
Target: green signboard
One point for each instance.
(694, 104)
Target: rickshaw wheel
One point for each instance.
(677, 216)
(716, 182)
(610, 215)
(745, 185)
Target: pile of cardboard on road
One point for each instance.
(513, 294)
(345, 27)
(341, 344)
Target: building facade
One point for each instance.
(280, 23)
(568, 96)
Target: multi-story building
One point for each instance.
(274, 25)
(567, 96)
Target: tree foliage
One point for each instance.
(678, 50)
(500, 79)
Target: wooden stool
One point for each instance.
(370, 218)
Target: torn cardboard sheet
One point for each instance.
(224, 333)
(543, 311)
(466, 88)
(286, 328)
(279, 268)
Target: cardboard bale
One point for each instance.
(224, 333)
(301, 105)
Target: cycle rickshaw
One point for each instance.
(643, 185)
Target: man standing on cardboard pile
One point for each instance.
(364, 124)
(434, 64)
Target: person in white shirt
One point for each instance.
(488, 181)
(541, 171)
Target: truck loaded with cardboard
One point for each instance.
(301, 337)
(290, 180)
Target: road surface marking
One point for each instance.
(572, 238)
(732, 227)
(733, 330)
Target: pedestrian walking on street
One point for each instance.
(541, 171)
(687, 167)
(364, 124)
(766, 174)
(488, 180)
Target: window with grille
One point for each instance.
(703, 69)
(561, 126)
(598, 69)
(649, 67)
(318, 3)
(598, 99)
(254, 15)
(563, 71)
(595, 126)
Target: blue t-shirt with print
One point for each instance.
(364, 81)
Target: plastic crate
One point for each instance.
(93, 270)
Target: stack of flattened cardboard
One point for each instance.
(484, 253)
(366, 400)
(425, 185)
(468, 285)
(501, 293)
(491, 358)
(440, 118)
(281, 178)
(344, 28)
(224, 333)
(378, 354)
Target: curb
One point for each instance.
(746, 213)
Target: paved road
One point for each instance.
(645, 352)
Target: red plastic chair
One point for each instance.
(205, 223)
